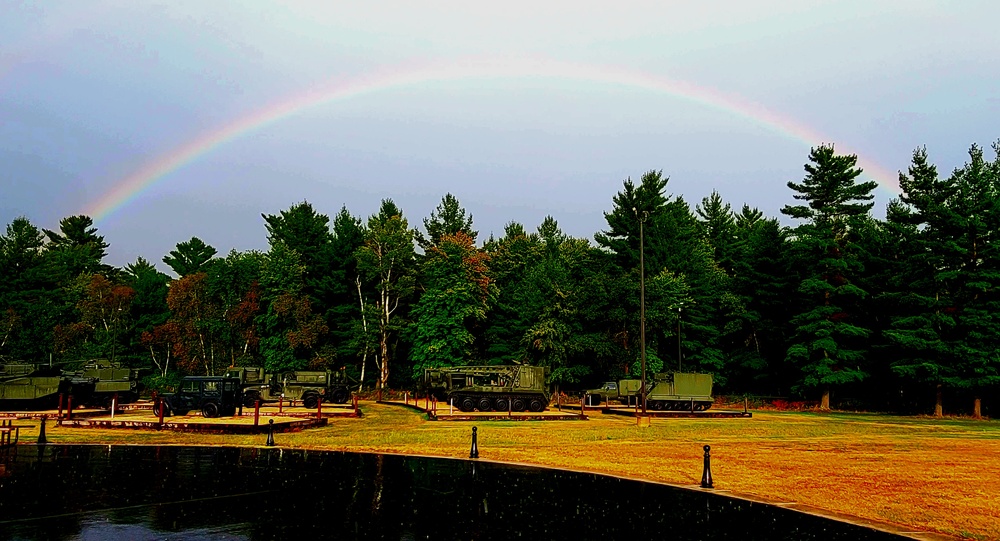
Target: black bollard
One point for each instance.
(706, 476)
(474, 453)
(41, 432)
(270, 433)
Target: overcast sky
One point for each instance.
(203, 115)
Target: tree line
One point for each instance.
(899, 313)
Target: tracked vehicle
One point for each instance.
(489, 388)
(679, 391)
(29, 386)
(98, 381)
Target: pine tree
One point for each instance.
(828, 343)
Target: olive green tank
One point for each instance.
(29, 386)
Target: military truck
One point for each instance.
(309, 386)
(625, 391)
(29, 386)
(212, 395)
(679, 391)
(489, 388)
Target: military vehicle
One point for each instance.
(98, 381)
(489, 388)
(679, 391)
(625, 391)
(309, 386)
(29, 386)
(212, 395)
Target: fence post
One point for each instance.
(41, 432)
(474, 453)
(256, 412)
(706, 475)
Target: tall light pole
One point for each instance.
(679, 306)
(642, 306)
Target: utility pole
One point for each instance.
(642, 305)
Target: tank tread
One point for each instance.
(527, 400)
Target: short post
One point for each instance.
(270, 433)
(427, 404)
(256, 412)
(406, 398)
(161, 410)
(281, 403)
(69, 407)
(319, 408)
(745, 403)
(41, 431)
(59, 414)
(451, 406)
(114, 404)
(582, 398)
(434, 405)
(706, 476)
(558, 402)
(474, 453)
(354, 399)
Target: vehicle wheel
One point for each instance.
(536, 405)
(485, 404)
(517, 404)
(250, 398)
(467, 405)
(501, 404)
(210, 409)
(657, 405)
(310, 401)
(340, 396)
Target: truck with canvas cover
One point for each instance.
(625, 391)
(490, 388)
(309, 386)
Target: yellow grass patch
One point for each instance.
(934, 475)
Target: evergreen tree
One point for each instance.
(828, 344)
(448, 219)
(190, 257)
(77, 248)
(915, 294)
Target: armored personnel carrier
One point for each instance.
(490, 388)
(679, 391)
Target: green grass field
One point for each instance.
(911, 473)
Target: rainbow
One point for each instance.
(129, 188)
